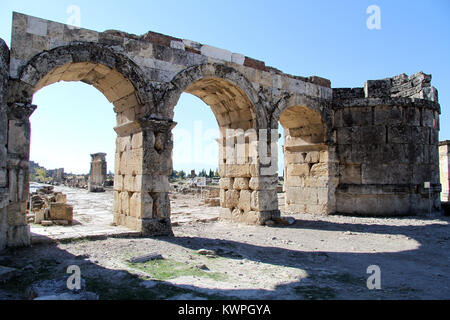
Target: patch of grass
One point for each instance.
(166, 269)
(315, 293)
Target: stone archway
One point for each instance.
(310, 170)
(122, 83)
(247, 192)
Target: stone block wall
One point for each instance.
(387, 147)
(4, 74)
(444, 166)
(142, 166)
(248, 189)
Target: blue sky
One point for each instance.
(325, 38)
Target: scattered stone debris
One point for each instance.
(48, 207)
(206, 252)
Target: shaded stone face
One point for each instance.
(356, 151)
(444, 165)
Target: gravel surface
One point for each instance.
(318, 257)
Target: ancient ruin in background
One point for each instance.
(97, 175)
(360, 151)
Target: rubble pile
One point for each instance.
(48, 207)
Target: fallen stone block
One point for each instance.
(46, 223)
(206, 252)
(61, 222)
(145, 258)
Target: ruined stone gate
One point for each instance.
(360, 151)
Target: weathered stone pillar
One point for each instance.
(18, 231)
(310, 172)
(97, 176)
(4, 74)
(248, 184)
(142, 166)
(444, 166)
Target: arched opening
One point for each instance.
(244, 195)
(73, 121)
(195, 177)
(306, 161)
(121, 83)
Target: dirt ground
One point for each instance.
(318, 257)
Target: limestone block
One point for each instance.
(319, 169)
(123, 143)
(226, 183)
(177, 45)
(125, 203)
(319, 209)
(350, 173)
(19, 138)
(154, 183)
(237, 170)
(298, 169)
(374, 134)
(216, 53)
(388, 115)
(264, 200)
(238, 58)
(245, 200)
(15, 216)
(263, 183)
(161, 204)
(117, 208)
(61, 211)
(118, 182)
(231, 198)
(428, 118)
(322, 195)
(302, 195)
(241, 183)
(236, 215)
(137, 140)
(141, 205)
(313, 157)
(36, 26)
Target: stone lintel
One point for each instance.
(156, 125)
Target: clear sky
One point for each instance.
(325, 38)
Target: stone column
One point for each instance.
(142, 166)
(248, 184)
(18, 232)
(97, 176)
(444, 166)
